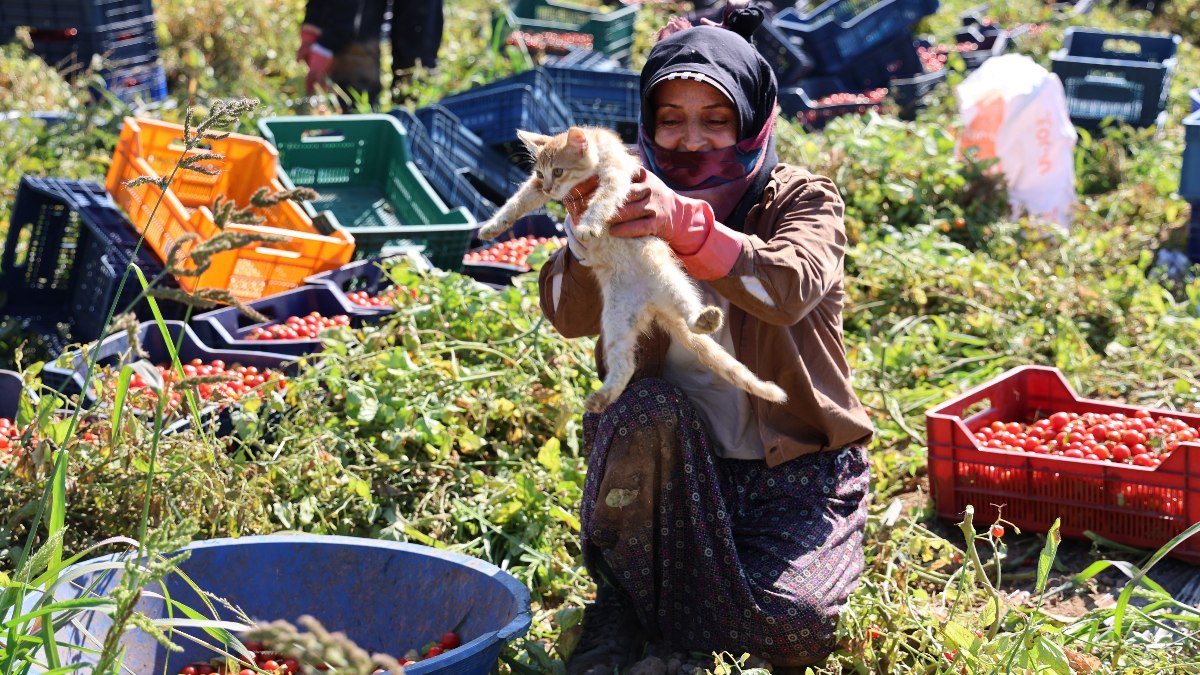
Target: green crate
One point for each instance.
(369, 186)
(611, 31)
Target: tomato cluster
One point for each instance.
(550, 41)
(385, 299)
(241, 381)
(830, 106)
(266, 659)
(513, 251)
(10, 440)
(1140, 439)
(298, 327)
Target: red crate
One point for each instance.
(1137, 506)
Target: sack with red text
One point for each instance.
(1015, 110)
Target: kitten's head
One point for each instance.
(561, 161)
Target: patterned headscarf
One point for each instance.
(730, 179)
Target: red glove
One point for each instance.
(652, 208)
(308, 35)
(320, 62)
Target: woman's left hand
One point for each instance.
(653, 209)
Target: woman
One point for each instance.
(713, 521)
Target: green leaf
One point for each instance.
(550, 455)
(957, 634)
(1052, 655)
(1046, 560)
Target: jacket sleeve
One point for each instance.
(569, 295)
(781, 279)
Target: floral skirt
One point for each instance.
(720, 554)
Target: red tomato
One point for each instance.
(450, 640)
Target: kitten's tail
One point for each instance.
(722, 362)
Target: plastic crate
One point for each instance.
(784, 52)
(461, 168)
(366, 275)
(360, 164)
(79, 14)
(910, 93)
(1194, 95)
(583, 58)
(1189, 179)
(1136, 506)
(228, 327)
(501, 274)
(11, 390)
(838, 32)
(611, 99)
(66, 253)
(495, 111)
(990, 40)
(1193, 234)
(1103, 81)
(68, 374)
(612, 31)
(127, 43)
(801, 102)
(151, 148)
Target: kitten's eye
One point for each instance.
(558, 173)
(538, 175)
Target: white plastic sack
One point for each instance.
(1015, 110)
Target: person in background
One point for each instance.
(340, 42)
(713, 521)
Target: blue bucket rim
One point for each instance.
(515, 628)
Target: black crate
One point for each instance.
(78, 14)
(228, 327)
(1103, 82)
(66, 254)
(499, 275)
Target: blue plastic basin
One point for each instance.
(385, 596)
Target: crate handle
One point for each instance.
(322, 136)
(19, 243)
(1121, 46)
(265, 250)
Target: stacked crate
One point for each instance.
(846, 46)
(67, 34)
(1189, 182)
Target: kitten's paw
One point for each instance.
(708, 321)
(492, 229)
(599, 401)
(585, 233)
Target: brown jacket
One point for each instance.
(791, 335)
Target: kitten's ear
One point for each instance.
(531, 140)
(577, 139)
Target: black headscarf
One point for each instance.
(724, 57)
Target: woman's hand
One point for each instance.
(653, 209)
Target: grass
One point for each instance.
(454, 422)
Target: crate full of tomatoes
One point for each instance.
(1027, 442)
(497, 262)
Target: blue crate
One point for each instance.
(457, 163)
(495, 111)
(1103, 82)
(784, 52)
(1194, 95)
(11, 390)
(801, 102)
(895, 59)
(67, 248)
(1193, 239)
(992, 40)
(1189, 180)
(79, 14)
(499, 275)
(610, 99)
(68, 374)
(839, 32)
(129, 43)
(228, 327)
(583, 58)
(143, 83)
(365, 275)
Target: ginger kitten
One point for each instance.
(641, 280)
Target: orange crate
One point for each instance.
(151, 148)
(1138, 506)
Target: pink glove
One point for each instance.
(320, 62)
(707, 249)
(308, 35)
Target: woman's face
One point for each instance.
(691, 116)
